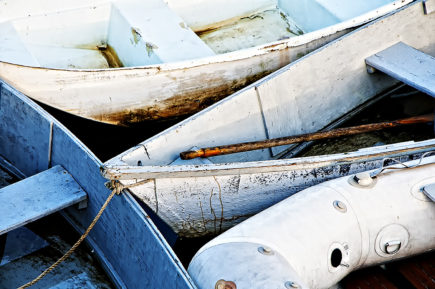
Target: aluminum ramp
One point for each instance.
(406, 64)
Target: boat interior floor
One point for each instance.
(27, 251)
(250, 31)
(406, 102)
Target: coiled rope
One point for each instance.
(117, 189)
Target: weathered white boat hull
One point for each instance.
(323, 233)
(182, 84)
(211, 199)
(129, 95)
(205, 198)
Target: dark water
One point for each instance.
(107, 141)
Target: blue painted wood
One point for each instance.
(11, 169)
(24, 129)
(36, 197)
(408, 65)
(128, 244)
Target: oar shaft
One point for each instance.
(248, 146)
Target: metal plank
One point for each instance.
(406, 64)
(38, 196)
(429, 191)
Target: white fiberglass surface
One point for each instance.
(57, 40)
(316, 14)
(113, 34)
(117, 33)
(259, 22)
(125, 33)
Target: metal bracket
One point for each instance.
(114, 185)
(82, 205)
(428, 6)
(370, 69)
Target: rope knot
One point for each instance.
(117, 186)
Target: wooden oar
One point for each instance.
(255, 145)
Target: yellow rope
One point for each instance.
(117, 188)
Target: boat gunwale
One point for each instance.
(246, 53)
(127, 172)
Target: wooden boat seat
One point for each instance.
(406, 64)
(159, 33)
(38, 196)
(12, 48)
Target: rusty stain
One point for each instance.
(180, 105)
(222, 205)
(197, 98)
(192, 100)
(222, 284)
(215, 26)
(150, 48)
(212, 211)
(136, 35)
(191, 230)
(248, 31)
(111, 56)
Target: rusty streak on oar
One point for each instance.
(255, 145)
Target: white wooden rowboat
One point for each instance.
(316, 237)
(207, 196)
(177, 57)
